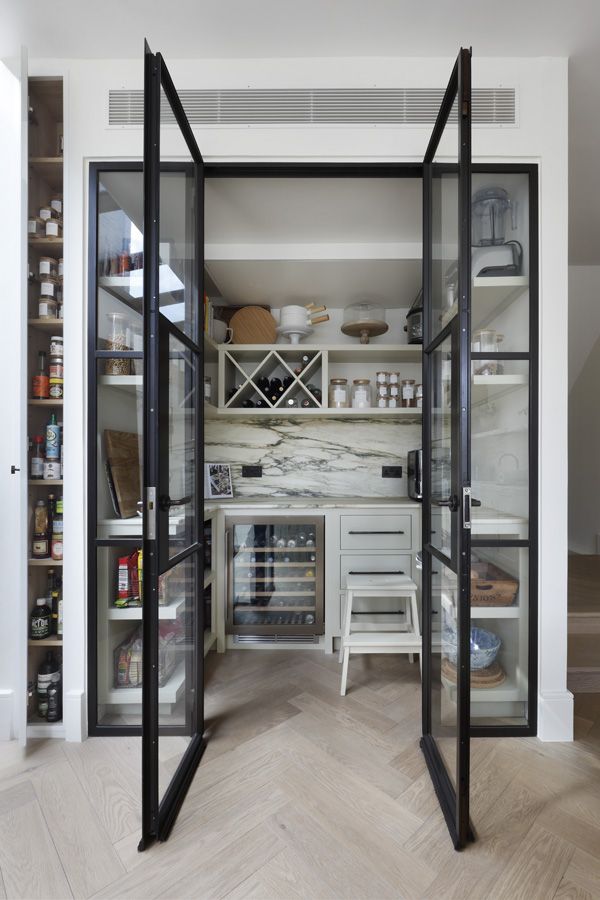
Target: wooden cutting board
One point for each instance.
(123, 458)
(490, 677)
(253, 325)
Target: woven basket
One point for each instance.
(490, 586)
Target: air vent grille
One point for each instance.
(410, 106)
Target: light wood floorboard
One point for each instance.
(305, 795)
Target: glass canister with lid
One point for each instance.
(339, 393)
(361, 393)
(118, 330)
(407, 395)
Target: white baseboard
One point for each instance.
(555, 716)
(74, 716)
(7, 710)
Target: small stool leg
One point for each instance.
(341, 653)
(346, 623)
(345, 671)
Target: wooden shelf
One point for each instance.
(276, 550)
(46, 642)
(169, 693)
(45, 482)
(45, 562)
(46, 324)
(45, 242)
(50, 168)
(45, 402)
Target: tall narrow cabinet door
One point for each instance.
(173, 627)
(446, 457)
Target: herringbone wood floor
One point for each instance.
(303, 793)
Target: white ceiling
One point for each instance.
(345, 28)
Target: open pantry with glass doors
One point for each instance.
(258, 252)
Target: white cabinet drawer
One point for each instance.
(379, 532)
(390, 564)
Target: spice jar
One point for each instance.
(47, 308)
(381, 396)
(56, 345)
(419, 396)
(48, 212)
(394, 377)
(339, 395)
(361, 393)
(207, 388)
(47, 287)
(56, 388)
(47, 267)
(382, 378)
(56, 204)
(394, 390)
(53, 228)
(36, 227)
(117, 340)
(60, 268)
(408, 398)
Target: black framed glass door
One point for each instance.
(172, 619)
(446, 457)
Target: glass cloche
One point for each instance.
(364, 320)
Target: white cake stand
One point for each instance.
(294, 333)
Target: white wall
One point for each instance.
(542, 85)
(584, 408)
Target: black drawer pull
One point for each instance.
(375, 532)
(377, 612)
(397, 572)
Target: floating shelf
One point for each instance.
(45, 482)
(50, 168)
(496, 612)
(489, 298)
(46, 324)
(45, 242)
(490, 387)
(45, 562)
(169, 693)
(135, 612)
(45, 403)
(46, 642)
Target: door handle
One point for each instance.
(375, 532)
(396, 572)
(452, 503)
(165, 502)
(475, 502)
(14, 470)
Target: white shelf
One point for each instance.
(209, 578)
(337, 353)
(46, 730)
(170, 693)
(508, 692)
(135, 612)
(491, 387)
(133, 527)
(496, 612)
(283, 412)
(210, 639)
(489, 298)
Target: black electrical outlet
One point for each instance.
(391, 471)
(251, 471)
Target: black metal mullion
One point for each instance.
(151, 449)
(92, 475)
(426, 437)
(464, 445)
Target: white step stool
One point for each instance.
(408, 640)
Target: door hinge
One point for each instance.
(151, 513)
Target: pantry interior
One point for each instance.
(330, 238)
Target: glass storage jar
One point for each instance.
(118, 328)
(361, 393)
(339, 394)
(382, 396)
(408, 398)
(419, 396)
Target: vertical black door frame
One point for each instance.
(158, 816)
(454, 801)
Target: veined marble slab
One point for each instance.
(316, 458)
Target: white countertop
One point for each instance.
(310, 503)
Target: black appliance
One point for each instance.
(415, 474)
(414, 320)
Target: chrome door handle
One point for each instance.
(452, 503)
(165, 502)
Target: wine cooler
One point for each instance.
(275, 576)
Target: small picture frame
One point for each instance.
(217, 481)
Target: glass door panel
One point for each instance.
(173, 608)
(446, 458)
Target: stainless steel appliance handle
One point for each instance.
(375, 532)
(394, 572)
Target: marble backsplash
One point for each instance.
(313, 457)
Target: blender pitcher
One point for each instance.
(489, 207)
